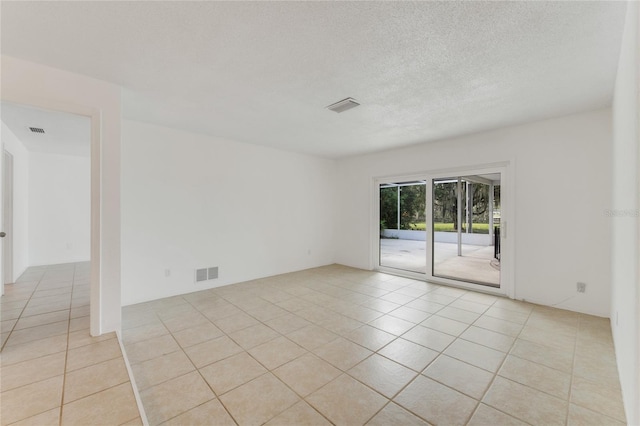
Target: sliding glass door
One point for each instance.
(402, 242)
(443, 227)
(465, 224)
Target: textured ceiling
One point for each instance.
(262, 72)
(65, 134)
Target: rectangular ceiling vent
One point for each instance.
(36, 129)
(343, 105)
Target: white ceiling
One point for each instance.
(65, 134)
(262, 72)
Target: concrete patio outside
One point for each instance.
(474, 264)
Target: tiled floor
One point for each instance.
(52, 371)
(350, 347)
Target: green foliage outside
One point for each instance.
(478, 228)
(445, 207)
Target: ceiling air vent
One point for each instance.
(36, 129)
(343, 105)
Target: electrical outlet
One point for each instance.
(167, 272)
(581, 287)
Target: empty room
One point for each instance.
(317, 213)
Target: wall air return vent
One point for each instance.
(201, 275)
(36, 129)
(206, 274)
(343, 105)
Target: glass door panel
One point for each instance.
(403, 226)
(465, 215)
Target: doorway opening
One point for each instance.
(445, 227)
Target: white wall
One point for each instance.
(625, 282)
(192, 201)
(59, 209)
(562, 184)
(20, 200)
(28, 83)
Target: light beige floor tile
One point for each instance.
(410, 314)
(236, 322)
(99, 408)
(536, 376)
(382, 374)
(144, 332)
(31, 334)
(488, 338)
(499, 326)
(220, 310)
(409, 354)
(436, 403)
(346, 401)
(393, 325)
(95, 378)
(209, 413)
(157, 370)
(469, 305)
(499, 312)
(398, 298)
(135, 422)
(35, 370)
(77, 324)
(445, 325)
(301, 414)
(474, 354)
(43, 319)
(380, 305)
(277, 352)
(30, 400)
(92, 354)
(287, 323)
(525, 403)
(459, 375)
(200, 333)
(83, 338)
(485, 416)
(594, 396)
(7, 326)
(340, 324)
(150, 349)
(363, 314)
(342, 353)
(393, 414)
(253, 336)
(428, 337)
(548, 337)
(51, 417)
(370, 337)
(312, 337)
(514, 305)
(211, 351)
(425, 305)
(174, 397)
(188, 320)
(457, 314)
(259, 400)
(232, 372)
(546, 355)
(307, 374)
(580, 416)
(265, 313)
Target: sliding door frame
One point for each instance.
(507, 246)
